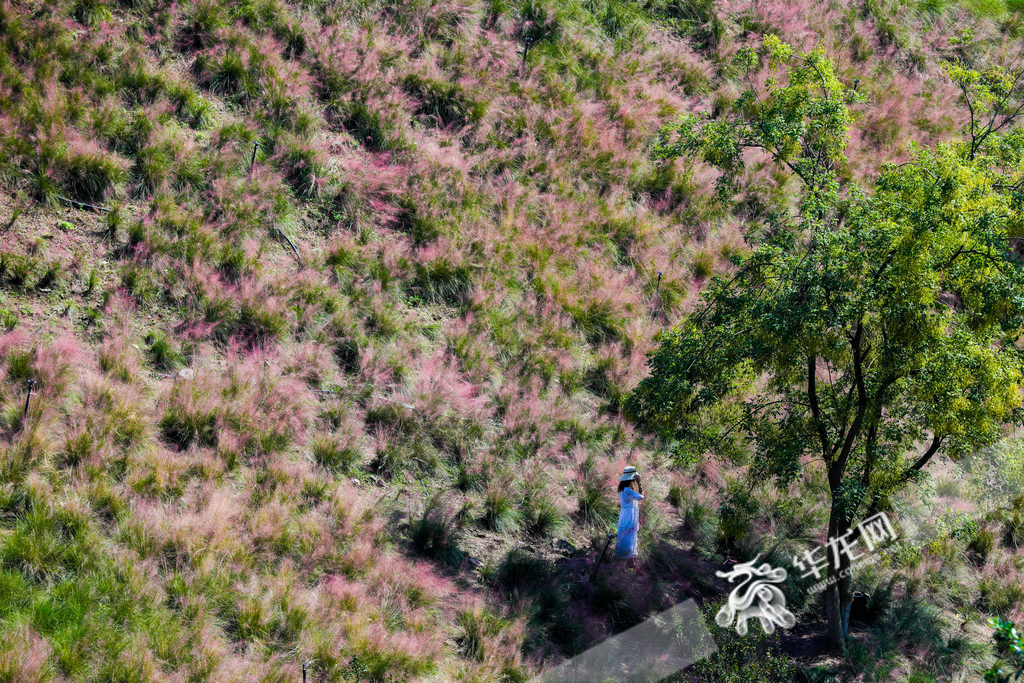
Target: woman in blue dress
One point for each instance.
(631, 491)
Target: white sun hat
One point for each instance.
(629, 474)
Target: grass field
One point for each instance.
(410, 270)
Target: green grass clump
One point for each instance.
(433, 534)
(332, 454)
(478, 627)
(441, 281)
(443, 103)
(541, 516)
(185, 426)
(89, 177)
(8, 319)
(162, 353)
(500, 510)
(594, 506)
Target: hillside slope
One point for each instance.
(388, 246)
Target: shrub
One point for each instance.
(740, 659)
(735, 514)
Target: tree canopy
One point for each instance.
(869, 334)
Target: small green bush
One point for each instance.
(740, 659)
(735, 514)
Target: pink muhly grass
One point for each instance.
(440, 389)
(352, 509)
(344, 594)
(26, 656)
(14, 340)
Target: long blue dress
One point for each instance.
(629, 524)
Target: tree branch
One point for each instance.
(835, 474)
(812, 393)
(923, 460)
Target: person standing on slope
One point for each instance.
(631, 491)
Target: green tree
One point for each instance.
(1009, 644)
(993, 91)
(866, 335)
(802, 125)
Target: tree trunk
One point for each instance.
(838, 594)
